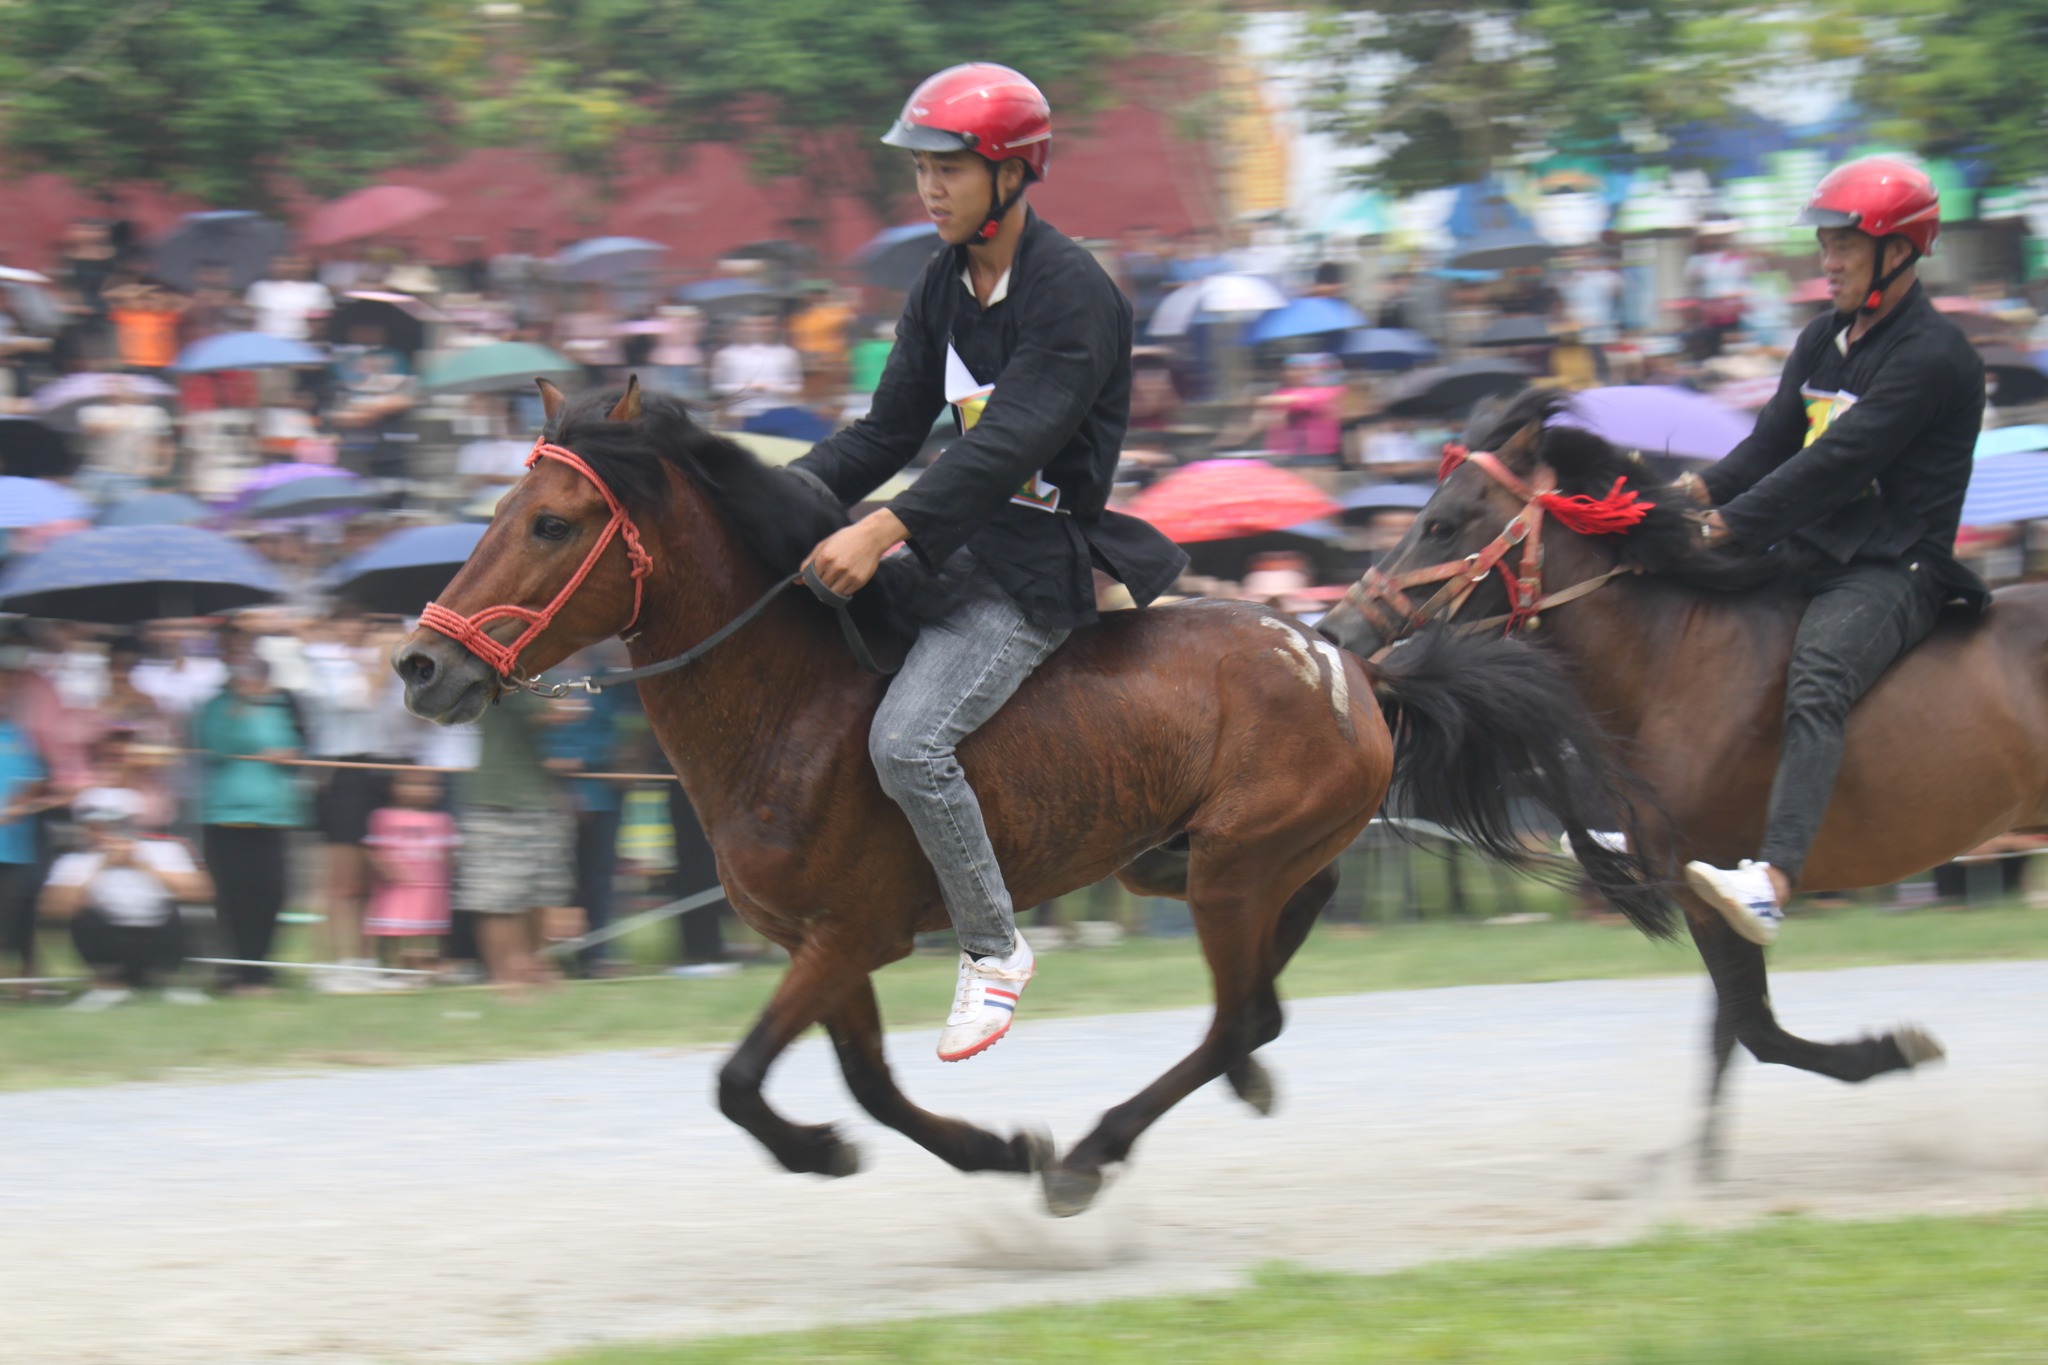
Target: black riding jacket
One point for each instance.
(1865, 453)
(1057, 349)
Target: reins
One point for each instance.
(468, 631)
(1382, 598)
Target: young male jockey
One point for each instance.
(1021, 332)
(1862, 456)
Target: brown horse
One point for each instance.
(1682, 653)
(1211, 751)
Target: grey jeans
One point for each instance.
(962, 669)
(1862, 617)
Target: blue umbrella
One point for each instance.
(38, 502)
(894, 257)
(407, 569)
(1386, 348)
(1386, 496)
(337, 492)
(156, 509)
(1310, 317)
(2012, 441)
(246, 351)
(2007, 488)
(724, 292)
(602, 259)
(121, 575)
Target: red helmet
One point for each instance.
(979, 107)
(1881, 196)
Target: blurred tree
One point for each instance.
(1948, 79)
(806, 87)
(1445, 90)
(230, 100)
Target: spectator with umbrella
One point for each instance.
(757, 371)
(24, 794)
(1301, 419)
(287, 300)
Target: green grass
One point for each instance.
(1924, 1291)
(40, 1046)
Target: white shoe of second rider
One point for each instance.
(1744, 894)
(985, 1002)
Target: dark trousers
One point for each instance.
(703, 936)
(597, 863)
(20, 883)
(1862, 617)
(247, 864)
(133, 952)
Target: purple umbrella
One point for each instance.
(1659, 421)
(266, 477)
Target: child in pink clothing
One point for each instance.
(412, 852)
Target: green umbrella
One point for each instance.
(497, 367)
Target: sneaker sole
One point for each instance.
(979, 1048)
(1739, 919)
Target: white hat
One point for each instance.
(106, 806)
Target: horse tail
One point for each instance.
(1478, 721)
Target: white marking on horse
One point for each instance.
(1296, 654)
(1340, 685)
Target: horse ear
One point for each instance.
(552, 400)
(627, 409)
(1518, 452)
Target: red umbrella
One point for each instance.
(369, 212)
(1219, 499)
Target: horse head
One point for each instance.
(560, 568)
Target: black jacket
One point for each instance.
(1865, 455)
(1058, 350)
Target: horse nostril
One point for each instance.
(416, 666)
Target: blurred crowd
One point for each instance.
(174, 789)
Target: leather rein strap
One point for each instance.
(1382, 598)
(469, 631)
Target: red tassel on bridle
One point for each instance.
(1617, 512)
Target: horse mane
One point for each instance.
(1667, 540)
(777, 517)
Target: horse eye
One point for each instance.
(550, 528)
(1435, 529)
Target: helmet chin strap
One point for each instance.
(1881, 280)
(1001, 207)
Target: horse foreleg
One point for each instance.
(819, 980)
(1743, 1014)
(856, 1029)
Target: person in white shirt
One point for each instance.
(756, 371)
(121, 894)
(287, 303)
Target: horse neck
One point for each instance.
(1616, 636)
(719, 718)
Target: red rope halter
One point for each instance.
(469, 631)
(1382, 598)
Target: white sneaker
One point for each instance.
(100, 998)
(984, 1002)
(1613, 840)
(1743, 895)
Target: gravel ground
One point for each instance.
(504, 1211)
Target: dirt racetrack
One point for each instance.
(501, 1212)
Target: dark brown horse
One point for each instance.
(1683, 656)
(1212, 751)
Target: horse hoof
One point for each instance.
(1039, 1153)
(843, 1160)
(1068, 1191)
(1917, 1046)
(1254, 1085)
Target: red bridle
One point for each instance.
(1383, 600)
(469, 631)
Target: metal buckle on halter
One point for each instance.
(551, 691)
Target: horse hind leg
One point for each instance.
(1236, 909)
(856, 1029)
(1247, 1076)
